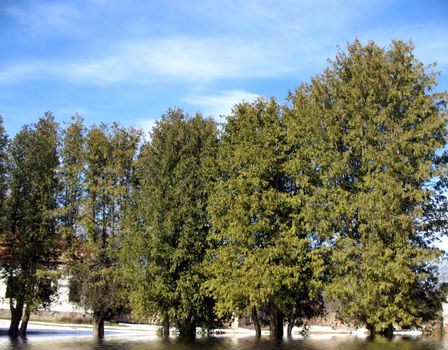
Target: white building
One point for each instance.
(61, 309)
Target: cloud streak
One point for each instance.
(115, 59)
(220, 103)
(55, 19)
(171, 59)
(256, 41)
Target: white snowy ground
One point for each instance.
(67, 329)
(45, 330)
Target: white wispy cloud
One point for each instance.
(146, 125)
(49, 18)
(429, 47)
(170, 59)
(19, 71)
(242, 39)
(246, 39)
(215, 104)
(220, 103)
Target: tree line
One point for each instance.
(336, 195)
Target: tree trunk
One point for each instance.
(16, 316)
(187, 328)
(289, 329)
(439, 324)
(25, 319)
(98, 324)
(388, 331)
(371, 329)
(256, 322)
(166, 326)
(276, 323)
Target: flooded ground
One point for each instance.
(230, 342)
(50, 336)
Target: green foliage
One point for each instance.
(167, 243)
(100, 171)
(31, 235)
(260, 257)
(372, 125)
(338, 194)
(71, 175)
(3, 174)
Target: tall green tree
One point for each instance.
(71, 175)
(4, 142)
(94, 265)
(167, 246)
(373, 124)
(72, 179)
(31, 235)
(261, 259)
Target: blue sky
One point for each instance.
(129, 61)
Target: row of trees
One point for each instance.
(64, 196)
(336, 195)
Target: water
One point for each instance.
(325, 342)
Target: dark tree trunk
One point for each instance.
(388, 331)
(289, 329)
(98, 324)
(439, 324)
(256, 320)
(25, 319)
(371, 329)
(276, 323)
(187, 328)
(16, 316)
(166, 326)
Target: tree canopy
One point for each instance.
(335, 196)
(374, 125)
(261, 259)
(166, 255)
(31, 234)
(108, 177)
